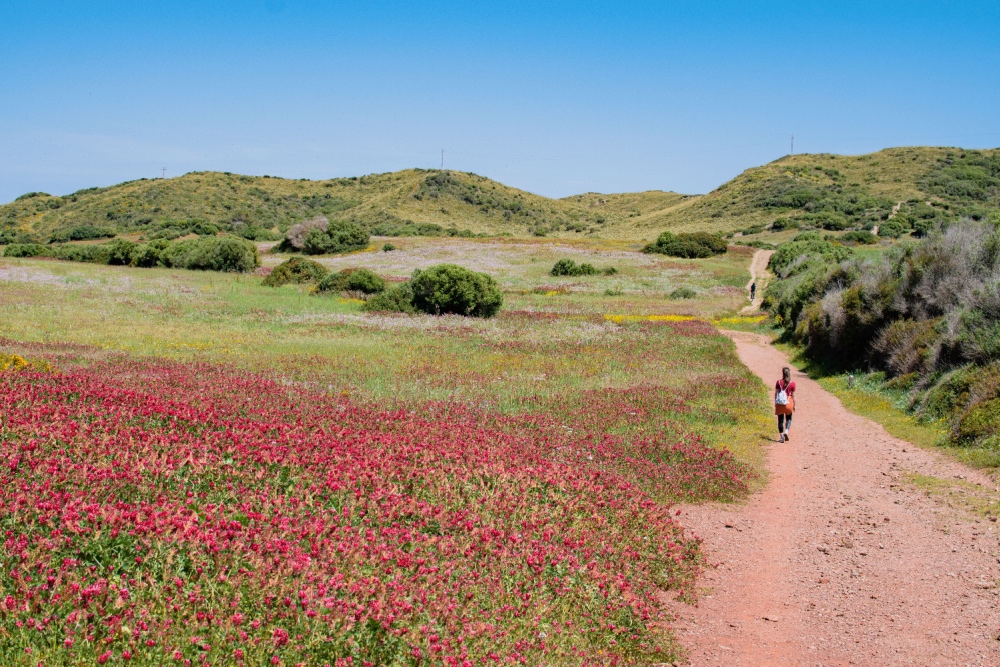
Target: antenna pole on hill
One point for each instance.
(793, 145)
(442, 158)
(164, 172)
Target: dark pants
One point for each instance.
(782, 421)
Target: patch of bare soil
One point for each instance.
(840, 560)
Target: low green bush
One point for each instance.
(860, 236)
(567, 267)
(296, 270)
(73, 252)
(683, 293)
(353, 280)
(213, 253)
(150, 255)
(396, 299)
(320, 236)
(27, 250)
(82, 233)
(447, 288)
(697, 245)
(119, 252)
(388, 247)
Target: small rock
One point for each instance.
(773, 619)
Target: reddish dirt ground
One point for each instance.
(838, 561)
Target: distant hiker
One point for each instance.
(753, 290)
(784, 402)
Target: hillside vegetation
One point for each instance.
(923, 318)
(910, 188)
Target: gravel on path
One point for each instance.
(838, 561)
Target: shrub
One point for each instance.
(83, 233)
(255, 233)
(149, 255)
(396, 299)
(94, 254)
(353, 280)
(214, 253)
(320, 236)
(168, 234)
(27, 250)
(567, 267)
(295, 237)
(388, 247)
(447, 288)
(892, 229)
(683, 293)
(296, 270)
(860, 236)
(119, 252)
(202, 228)
(690, 246)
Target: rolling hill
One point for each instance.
(821, 190)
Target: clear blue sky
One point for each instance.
(554, 97)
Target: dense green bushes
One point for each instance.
(82, 233)
(320, 236)
(207, 254)
(296, 270)
(926, 314)
(691, 246)
(567, 267)
(353, 280)
(27, 250)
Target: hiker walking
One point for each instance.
(784, 403)
(753, 291)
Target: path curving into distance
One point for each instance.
(758, 271)
(838, 561)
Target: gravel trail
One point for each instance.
(839, 561)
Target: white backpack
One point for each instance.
(782, 397)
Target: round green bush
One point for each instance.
(340, 236)
(296, 270)
(120, 251)
(683, 293)
(353, 280)
(567, 267)
(149, 255)
(447, 288)
(388, 247)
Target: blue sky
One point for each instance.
(555, 97)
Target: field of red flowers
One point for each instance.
(163, 513)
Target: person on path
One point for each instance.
(753, 291)
(784, 403)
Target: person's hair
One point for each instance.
(786, 374)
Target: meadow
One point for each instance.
(198, 469)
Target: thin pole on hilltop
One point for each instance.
(793, 145)
(442, 158)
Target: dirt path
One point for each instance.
(837, 561)
(758, 270)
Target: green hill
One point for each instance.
(820, 190)
(857, 190)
